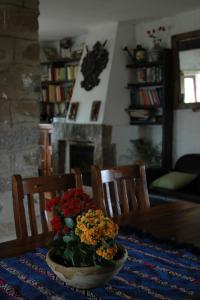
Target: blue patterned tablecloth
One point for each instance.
(153, 271)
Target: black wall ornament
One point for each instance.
(93, 64)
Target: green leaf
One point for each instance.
(76, 258)
(68, 253)
(83, 251)
(69, 238)
(107, 243)
(69, 222)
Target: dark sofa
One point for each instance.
(189, 163)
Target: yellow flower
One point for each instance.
(90, 237)
(107, 253)
(92, 227)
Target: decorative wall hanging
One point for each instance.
(95, 110)
(73, 110)
(93, 64)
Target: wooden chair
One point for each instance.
(119, 191)
(29, 196)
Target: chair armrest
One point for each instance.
(153, 173)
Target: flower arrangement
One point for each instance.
(155, 35)
(83, 235)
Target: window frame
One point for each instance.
(180, 42)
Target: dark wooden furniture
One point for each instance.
(29, 195)
(179, 222)
(45, 150)
(151, 99)
(120, 190)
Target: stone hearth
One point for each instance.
(98, 136)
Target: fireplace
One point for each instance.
(81, 145)
(82, 156)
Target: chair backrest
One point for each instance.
(119, 191)
(29, 201)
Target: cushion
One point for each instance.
(173, 180)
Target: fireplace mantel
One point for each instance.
(96, 135)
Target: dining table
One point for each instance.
(163, 245)
(177, 221)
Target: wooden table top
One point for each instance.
(178, 221)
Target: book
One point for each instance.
(141, 75)
(150, 74)
(151, 101)
(144, 97)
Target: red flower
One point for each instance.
(52, 202)
(89, 204)
(78, 192)
(161, 28)
(56, 223)
(66, 211)
(70, 204)
(155, 34)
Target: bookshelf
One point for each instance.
(58, 78)
(151, 101)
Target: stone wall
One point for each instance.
(19, 97)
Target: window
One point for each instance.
(190, 86)
(189, 89)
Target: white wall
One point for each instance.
(85, 98)
(186, 123)
(118, 96)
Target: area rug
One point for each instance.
(154, 270)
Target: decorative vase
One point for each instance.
(86, 277)
(155, 53)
